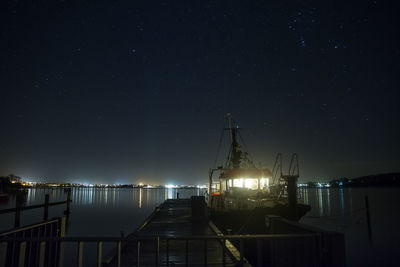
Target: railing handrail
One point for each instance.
(33, 206)
(27, 227)
(19, 207)
(153, 237)
(80, 241)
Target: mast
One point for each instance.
(235, 149)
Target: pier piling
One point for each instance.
(18, 204)
(67, 211)
(368, 218)
(46, 207)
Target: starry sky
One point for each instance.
(136, 91)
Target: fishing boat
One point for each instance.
(244, 194)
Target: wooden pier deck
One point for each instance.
(173, 219)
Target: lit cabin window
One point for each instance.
(238, 182)
(251, 183)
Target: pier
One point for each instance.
(182, 240)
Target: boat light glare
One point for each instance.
(264, 182)
(238, 182)
(251, 183)
(248, 183)
(170, 186)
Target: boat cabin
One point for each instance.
(251, 179)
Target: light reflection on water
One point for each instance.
(327, 202)
(343, 210)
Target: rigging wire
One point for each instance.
(228, 159)
(219, 147)
(246, 149)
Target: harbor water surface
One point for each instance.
(116, 211)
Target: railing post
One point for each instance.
(205, 252)
(271, 252)
(42, 253)
(167, 252)
(62, 226)
(368, 218)
(157, 249)
(99, 253)
(21, 257)
(3, 253)
(138, 254)
(259, 253)
(80, 254)
(223, 252)
(18, 204)
(187, 252)
(119, 254)
(320, 251)
(67, 211)
(61, 255)
(241, 251)
(46, 207)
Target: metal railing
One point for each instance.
(19, 207)
(264, 247)
(16, 253)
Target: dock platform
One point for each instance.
(181, 243)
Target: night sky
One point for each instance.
(137, 91)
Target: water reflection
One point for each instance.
(332, 202)
(169, 190)
(341, 200)
(322, 199)
(104, 197)
(329, 201)
(321, 203)
(140, 198)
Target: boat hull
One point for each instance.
(252, 221)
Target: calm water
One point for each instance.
(98, 212)
(108, 212)
(343, 210)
